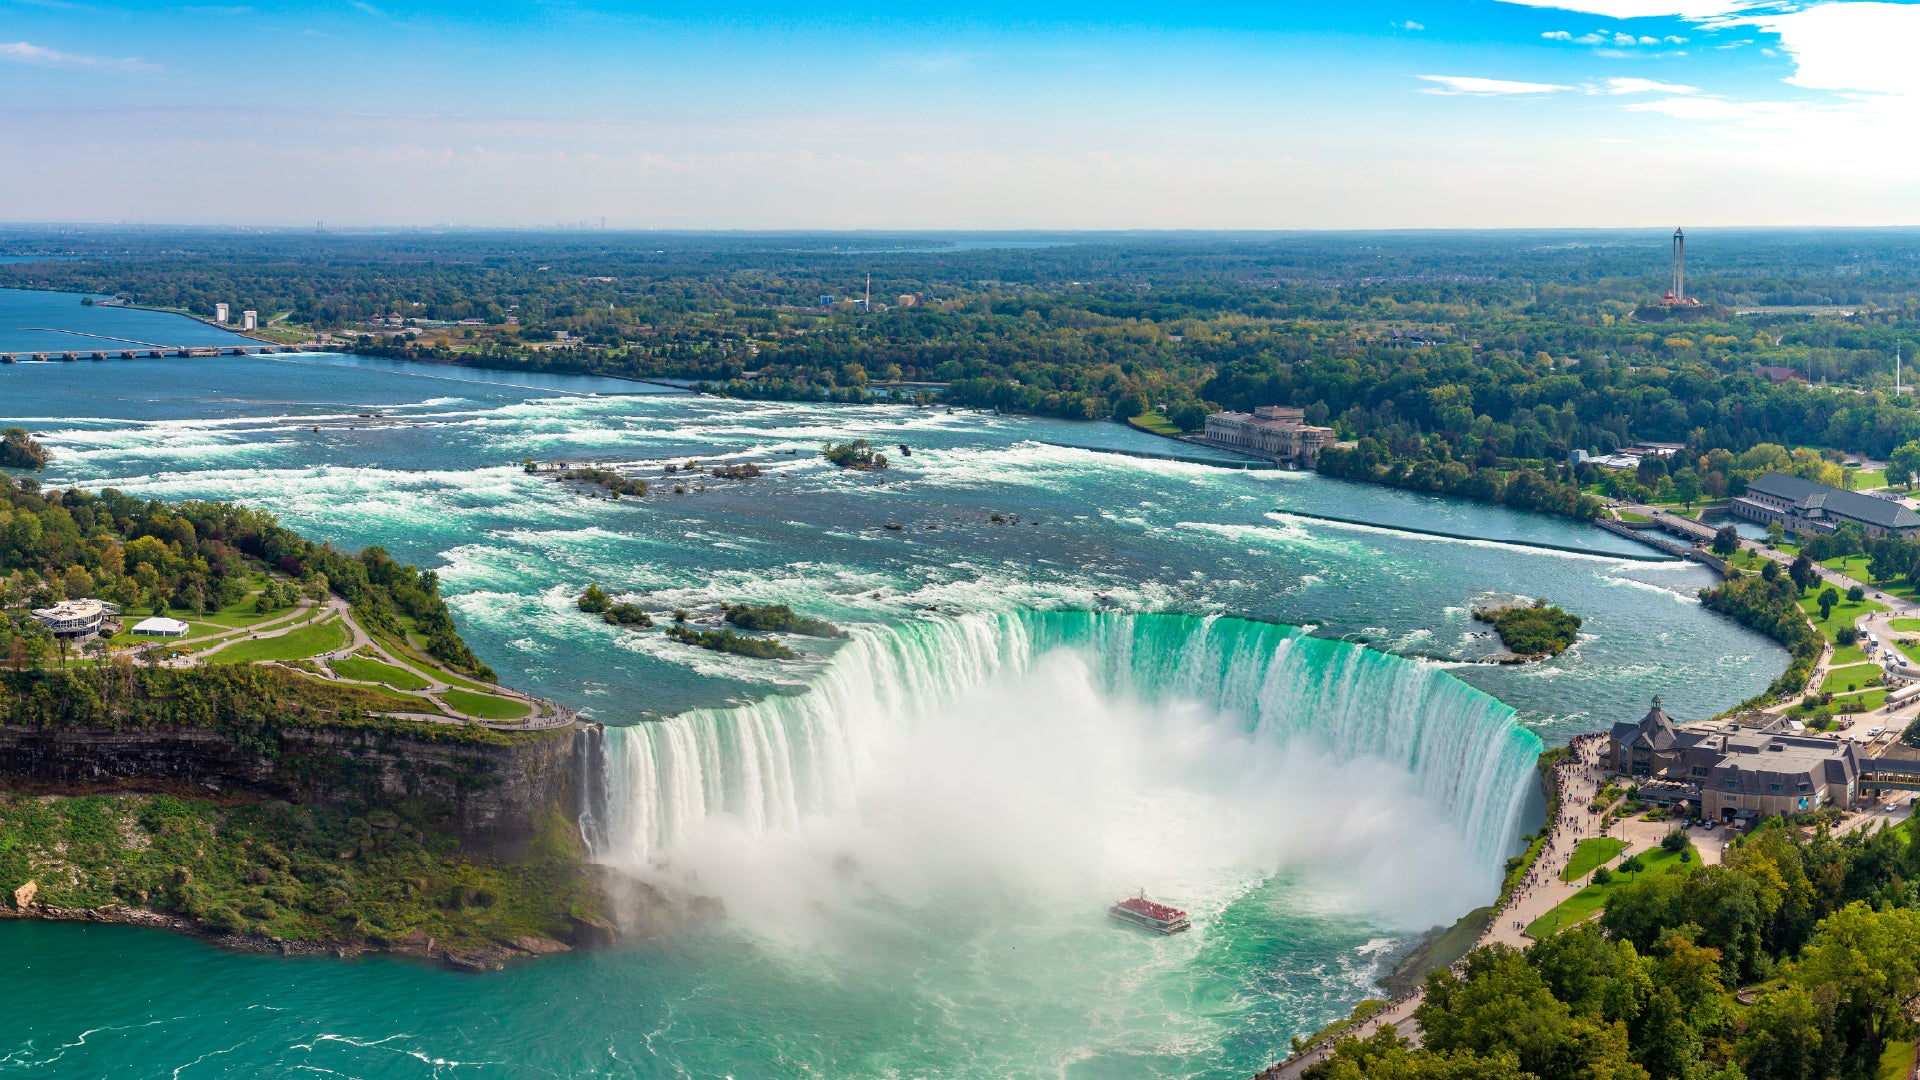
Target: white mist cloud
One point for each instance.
(1047, 800)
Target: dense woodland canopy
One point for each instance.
(1473, 361)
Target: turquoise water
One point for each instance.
(914, 837)
(32, 321)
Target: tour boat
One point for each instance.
(1140, 911)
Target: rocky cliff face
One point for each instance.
(497, 793)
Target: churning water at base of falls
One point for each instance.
(913, 833)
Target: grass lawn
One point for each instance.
(1584, 903)
(1896, 1061)
(1844, 612)
(1847, 679)
(295, 645)
(1787, 548)
(1854, 566)
(1864, 701)
(1868, 479)
(1910, 650)
(1589, 853)
(1848, 654)
(1154, 422)
(1630, 516)
(1908, 625)
(360, 667)
(413, 657)
(485, 706)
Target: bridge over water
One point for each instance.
(140, 350)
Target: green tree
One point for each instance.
(1726, 542)
(1790, 1036)
(1686, 487)
(1869, 961)
(593, 600)
(1903, 465)
(1829, 596)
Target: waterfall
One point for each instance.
(773, 764)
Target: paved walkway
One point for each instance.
(541, 713)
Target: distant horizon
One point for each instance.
(758, 115)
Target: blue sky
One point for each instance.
(1454, 113)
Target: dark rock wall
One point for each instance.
(497, 794)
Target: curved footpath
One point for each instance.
(542, 714)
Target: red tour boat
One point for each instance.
(1140, 911)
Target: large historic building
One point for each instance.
(1804, 506)
(1276, 431)
(1735, 770)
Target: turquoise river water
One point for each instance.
(1154, 679)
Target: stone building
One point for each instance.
(1735, 770)
(1804, 506)
(1274, 431)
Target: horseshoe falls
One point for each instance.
(771, 766)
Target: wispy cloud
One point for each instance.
(1644, 86)
(25, 52)
(1449, 85)
(1410, 25)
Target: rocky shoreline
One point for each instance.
(587, 933)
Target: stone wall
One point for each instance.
(497, 794)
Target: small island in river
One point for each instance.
(1532, 632)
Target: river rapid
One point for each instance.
(1154, 678)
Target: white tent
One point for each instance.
(160, 626)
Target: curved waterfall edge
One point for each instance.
(774, 763)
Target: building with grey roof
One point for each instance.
(1735, 769)
(1804, 506)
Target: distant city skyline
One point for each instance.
(1371, 114)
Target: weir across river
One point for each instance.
(1573, 548)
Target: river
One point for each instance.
(913, 833)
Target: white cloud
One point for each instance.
(1645, 86)
(24, 52)
(1647, 9)
(1411, 25)
(1557, 35)
(1448, 85)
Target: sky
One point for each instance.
(1355, 114)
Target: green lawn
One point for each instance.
(1630, 516)
(1589, 853)
(1847, 679)
(1896, 1061)
(1905, 625)
(1868, 479)
(1908, 649)
(294, 645)
(360, 667)
(1854, 566)
(412, 657)
(485, 706)
(1848, 654)
(1154, 422)
(1584, 903)
(1864, 701)
(1844, 612)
